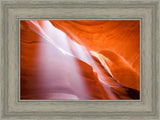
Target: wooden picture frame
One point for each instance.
(14, 10)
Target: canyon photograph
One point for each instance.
(80, 60)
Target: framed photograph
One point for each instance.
(80, 59)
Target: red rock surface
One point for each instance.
(88, 60)
(119, 36)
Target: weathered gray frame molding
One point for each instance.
(14, 10)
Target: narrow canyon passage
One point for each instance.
(79, 60)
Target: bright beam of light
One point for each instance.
(59, 40)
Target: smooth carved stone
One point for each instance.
(121, 70)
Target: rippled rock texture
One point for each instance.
(80, 59)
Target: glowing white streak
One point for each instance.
(78, 85)
(102, 61)
(44, 35)
(80, 52)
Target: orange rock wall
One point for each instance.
(119, 36)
